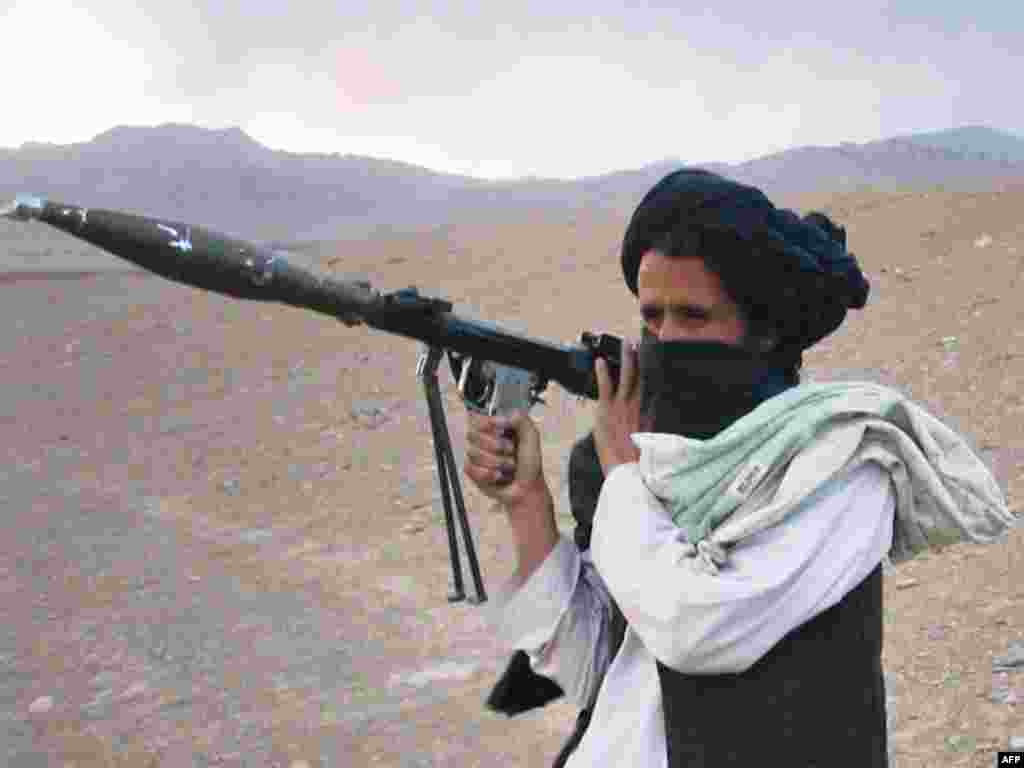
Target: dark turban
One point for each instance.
(792, 274)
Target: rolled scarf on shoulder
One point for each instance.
(757, 472)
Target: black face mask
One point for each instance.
(698, 388)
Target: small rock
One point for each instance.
(255, 535)
(103, 679)
(1001, 692)
(902, 275)
(907, 584)
(231, 487)
(983, 242)
(960, 742)
(413, 527)
(1014, 657)
(432, 501)
(446, 670)
(134, 691)
(332, 434)
(41, 706)
(370, 414)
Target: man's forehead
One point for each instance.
(680, 282)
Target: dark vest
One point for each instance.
(816, 698)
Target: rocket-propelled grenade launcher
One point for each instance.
(497, 371)
(215, 262)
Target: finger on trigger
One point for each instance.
(627, 374)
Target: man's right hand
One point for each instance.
(503, 458)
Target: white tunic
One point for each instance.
(692, 622)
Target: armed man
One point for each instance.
(722, 604)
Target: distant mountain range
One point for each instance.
(226, 180)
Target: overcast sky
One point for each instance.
(558, 88)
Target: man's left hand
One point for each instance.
(618, 411)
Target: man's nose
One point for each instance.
(672, 330)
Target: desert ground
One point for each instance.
(224, 542)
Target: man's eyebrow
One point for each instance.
(653, 307)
